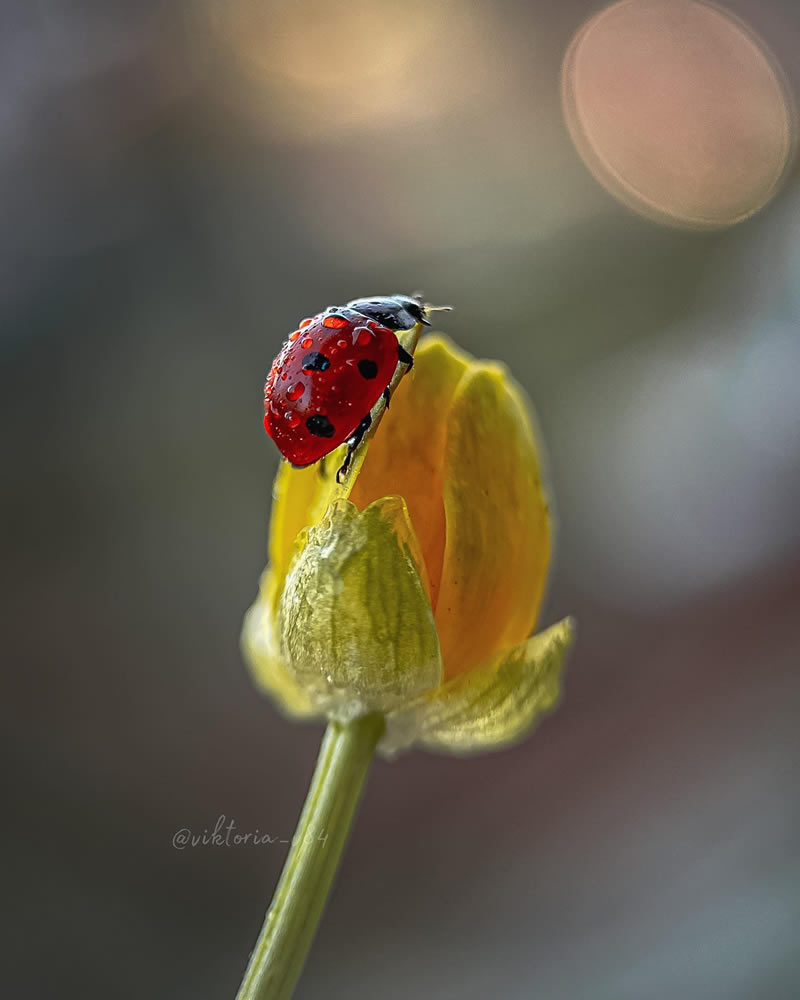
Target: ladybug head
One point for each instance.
(413, 307)
(397, 312)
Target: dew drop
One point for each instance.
(342, 343)
(362, 337)
(306, 342)
(335, 322)
(304, 324)
(295, 335)
(284, 376)
(295, 391)
(291, 418)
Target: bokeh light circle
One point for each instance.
(320, 68)
(679, 110)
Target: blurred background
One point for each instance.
(608, 199)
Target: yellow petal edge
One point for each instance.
(260, 650)
(491, 707)
(498, 522)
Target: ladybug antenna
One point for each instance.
(420, 297)
(427, 309)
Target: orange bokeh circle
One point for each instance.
(679, 110)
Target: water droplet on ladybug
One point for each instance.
(306, 342)
(362, 337)
(291, 418)
(295, 335)
(284, 376)
(304, 324)
(335, 322)
(342, 343)
(295, 391)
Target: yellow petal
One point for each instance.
(490, 707)
(294, 495)
(355, 623)
(406, 454)
(260, 650)
(300, 497)
(408, 340)
(498, 532)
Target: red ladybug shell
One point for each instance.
(327, 377)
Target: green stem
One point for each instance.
(322, 832)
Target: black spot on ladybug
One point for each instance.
(315, 362)
(320, 426)
(368, 368)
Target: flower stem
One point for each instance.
(313, 860)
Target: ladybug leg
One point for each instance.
(405, 357)
(387, 396)
(353, 442)
(321, 466)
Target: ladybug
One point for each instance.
(330, 373)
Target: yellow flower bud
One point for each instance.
(416, 596)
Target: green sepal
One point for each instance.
(489, 707)
(355, 624)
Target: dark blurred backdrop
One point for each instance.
(180, 184)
